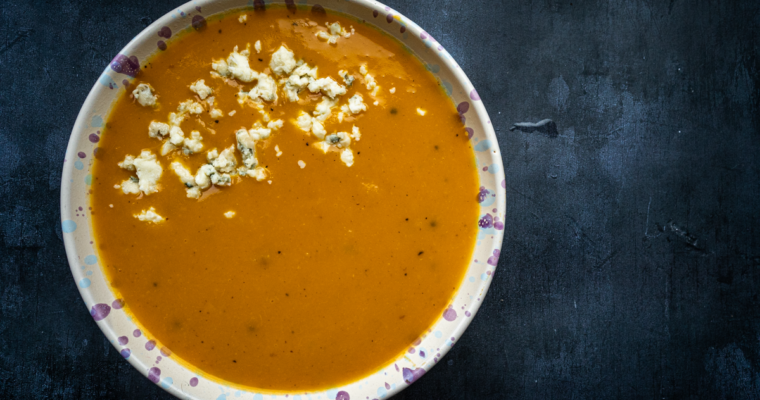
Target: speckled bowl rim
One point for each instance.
(159, 365)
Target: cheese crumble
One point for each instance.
(144, 95)
(150, 216)
(201, 89)
(148, 171)
(229, 214)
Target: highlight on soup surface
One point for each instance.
(285, 200)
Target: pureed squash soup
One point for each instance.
(286, 200)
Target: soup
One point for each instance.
(284, 199)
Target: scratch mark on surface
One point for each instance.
(545, 126)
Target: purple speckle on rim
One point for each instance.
(81, 154)
(125, 353)
(482, 193)
(198, 8)
(193, 382)
(403, 29)
(486, 222)
(463, 107)
(165, 32)
(449, 314)
(389, 18)
(154, 374)
(498, 225)
(470, 132)
(123, 340)
(259, 5)
(411, 350)
(412, 375)
(100, 311)
(318, 9)
(94, 138)
(199, 22)
(125, 83)
(422, 354)
(117, 304)
(165, 352)
(474, 95)
(375, 13)
(387, 386)
(342, 395)
(467, 314)
(136, 333)
(150, 345)
(494, 259)
(161, 45)
(126, 65)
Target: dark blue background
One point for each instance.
(631, 258)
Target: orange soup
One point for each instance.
(285, 200)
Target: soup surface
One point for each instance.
(301, 272)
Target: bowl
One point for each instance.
(137, 345)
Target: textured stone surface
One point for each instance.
(630, 263)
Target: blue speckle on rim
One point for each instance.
(91, 259)
(68, 226)
(78, 165)
(84, 283)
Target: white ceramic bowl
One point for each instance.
(138, 346)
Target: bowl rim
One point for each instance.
(70, 243)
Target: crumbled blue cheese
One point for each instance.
(324, 109)
(340, 140)
(243, 18)
(225, 162)
(347, 156)
(190, 106)
(347, 78)
(258, 173)
(369, 81)
(301, 164)
(148, 171)
(277, 150)
(201, 89)
(355, 134)
(150, 216)
(246, 144)
(187, 179)
(421, 111)
(392, 90)
(216, 113)
(304, 121)
(266, 89)
(297, 81)
(283, 61)
(327, 86)
(334, 32)
(218, 170)
(257, 46)
(193, 144)
(356, 104)
(236, 66)
(158, 129)
(229, 214)
(275, 125)
(176, 119)
(144, 95)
